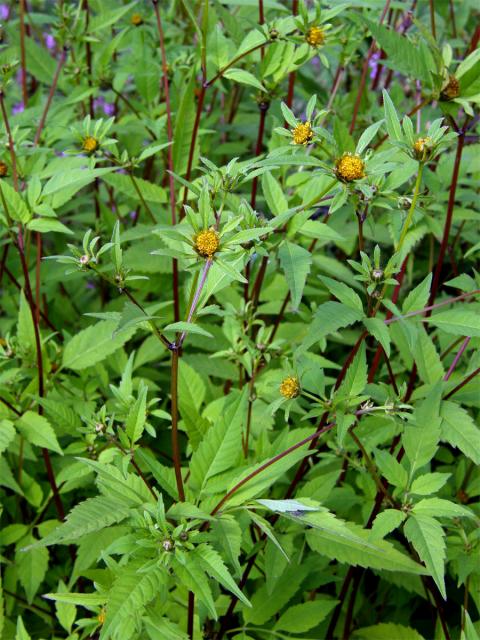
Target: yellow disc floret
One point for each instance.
(207, 242)
(451, 90)
(101, 616)
(315, 36)
(421, 147)
(136, 19)
(350, 167)
(290, 387)
(303, 133)
(90, 144)
(3, 169)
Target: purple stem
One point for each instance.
(196, 297)
(457, 358)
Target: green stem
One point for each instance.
(408, 221)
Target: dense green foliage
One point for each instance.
(239, 320)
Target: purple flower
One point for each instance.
(17, 108)
(4, 11)
(49, 41)
(107, 107)
(373, 64)
(133, 215)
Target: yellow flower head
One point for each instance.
(315, 36)
(207, 242)
(3, 169)
(350, 167)
(303, 133)
(101, 616)
(421, 147)
(290, 387)
(90, 144)
(136, 20)
(451, 90)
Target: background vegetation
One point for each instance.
(239, 319)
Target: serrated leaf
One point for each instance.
(243, 77)
(328, 318)
(343, 293)
(441, 508)
(90, 515)
(427, 538)
(386, 522)
(391, 118)
(94, 344)
(295, 262)
(391, 469)
(137, 416)
(129, 594)
(381, 555)
(379, 330)
(32, 566)
(220, 447)
(273, 193)
(458, 322)
(303, 617)
(459, 430)
(387, 631)
(213, 564)
(37, 430)
(190, 574)
(429, 483)
(7, 433)
(17, 207)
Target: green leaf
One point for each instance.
(380, 555)
(421, 439)
(22, 633)
(66, 612)
(343, 293)
(403, 55)
(273, 193)
(123, 184)
(7, 434)
(387, 631)
(17, 207)
(137, 416)
(265, 605)
(189, 573)
(355, 379)
(81, 599)
(386, 522)
(47, 225)
(221, 445)
(305, 616)
(429, 483)
(243, 77)
(73, 180)
(427, 538)
(459, 429)
(94, 344)
(391, 118)
(36, 429)
(32, 566)
(184, 122)
(391, 469)
(188, 327)
(90, 515)
(417, 298)
(379, 330)
(295, 262)
(128, 596)
(441, 508)
(367, 136)
(458, 322)
(328, 318)
(212, 563)
(228, 536)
